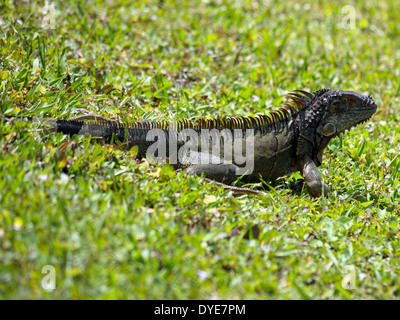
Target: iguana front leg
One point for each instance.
(312, 177)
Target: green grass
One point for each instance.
(115, 228)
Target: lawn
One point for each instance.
(115, 228)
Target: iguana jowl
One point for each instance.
(287, 140)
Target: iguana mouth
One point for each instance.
(362, 121)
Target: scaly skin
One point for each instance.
(287, 140)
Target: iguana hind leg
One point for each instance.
(221, 175)
(312, 177)
(224, 172)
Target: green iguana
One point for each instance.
(287, 140)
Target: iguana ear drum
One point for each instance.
(328, 129)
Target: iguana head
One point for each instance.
(326, 113)
(343, 110)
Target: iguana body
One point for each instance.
(287, 140)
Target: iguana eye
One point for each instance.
(328, 129)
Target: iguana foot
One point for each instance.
(237, 191)
(298, 185)
(316, 189)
